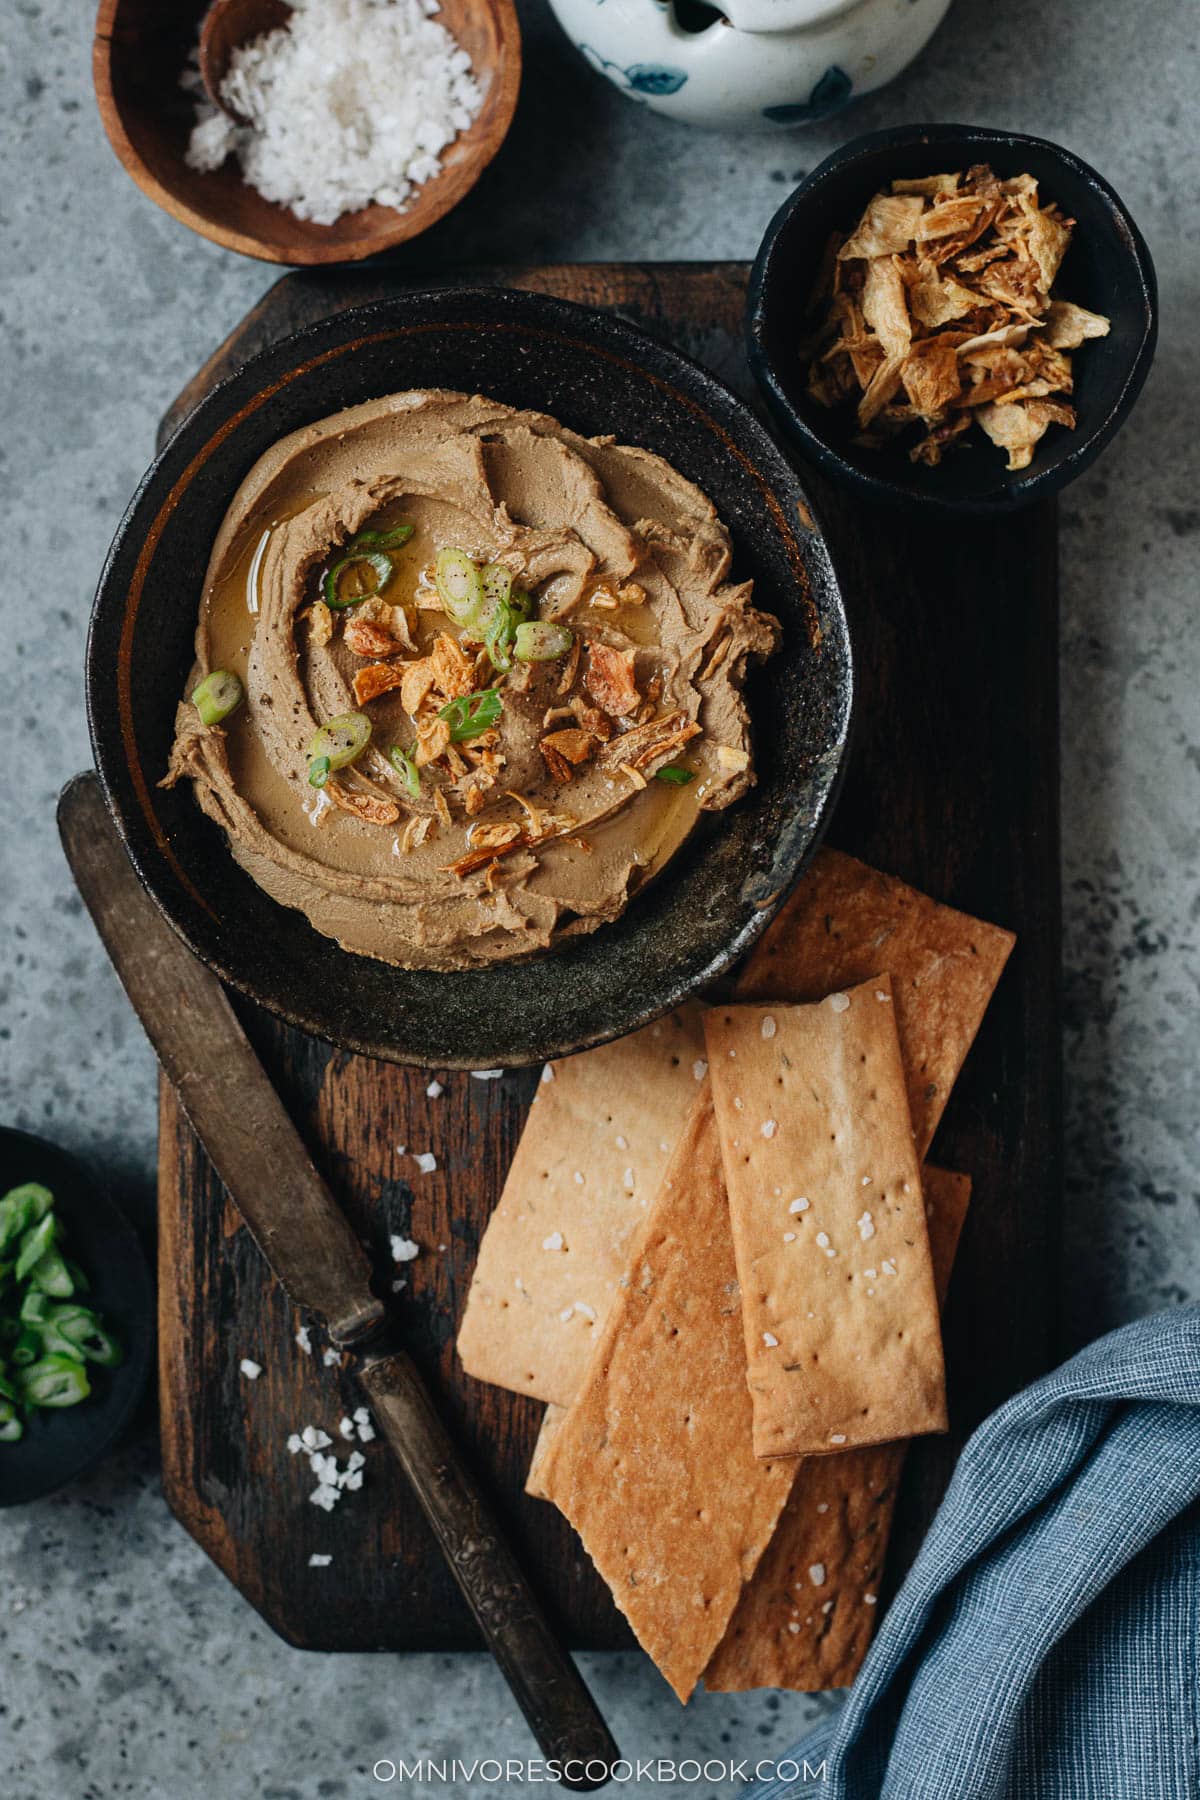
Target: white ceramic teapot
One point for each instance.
(751, 64)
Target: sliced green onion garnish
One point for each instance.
(46, 1336)
(497, 590)
(101, 1348)
(676, 776)
(36, 1241)
(500, 634)
(472, 714)
(35, 1307)
(363, 585)
(26, 1349)
(460, 586)
(405, 765)
(219, 694)
(54, 1381)
(337, 744)
(82, 1335)
(381, 540)
(50, 1273)
(21, 1208)
(34, 1196)
(540, 641)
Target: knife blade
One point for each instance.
(310, 1247)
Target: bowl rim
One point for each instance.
(302, 253)
(1011, 491)
(634, 341)
(141, 1355)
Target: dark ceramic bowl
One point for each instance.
(597, 374)
(1107, 269)
(59, 1446)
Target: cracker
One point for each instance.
(843, 924)
(805, 1618)
(653, 1464)
(842, 917)
(589, 1163)
(552, 1418)
(843, 1342)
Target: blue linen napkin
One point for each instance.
(1045, 1645)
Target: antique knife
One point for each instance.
(311, 1249)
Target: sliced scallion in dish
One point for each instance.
(47, 1335)
(473, 714)
(381, 540)
(497, 590)
(459, 583)
(218, 695)
(405, 765)
(538, 640)
(355, 577)
(336, 745)
(674, 775)
(53, 1381)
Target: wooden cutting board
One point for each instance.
(953, 784)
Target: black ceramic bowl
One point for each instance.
(597, 374)
(58, 1446)
(1107, 269)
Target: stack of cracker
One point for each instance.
(719, 1258)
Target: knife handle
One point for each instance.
(538, 1668)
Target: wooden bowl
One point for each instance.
(139, 51)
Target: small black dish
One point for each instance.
(597, 374)
(1107, 269)
(60, 1445)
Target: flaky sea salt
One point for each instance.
(351, 103)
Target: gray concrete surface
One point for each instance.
(128, 1667)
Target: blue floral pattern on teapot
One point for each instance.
(759, 63)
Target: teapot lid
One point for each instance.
(781, 15)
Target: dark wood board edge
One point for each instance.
(182, 1168)
(646, 292)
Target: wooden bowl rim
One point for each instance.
(446, 189)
